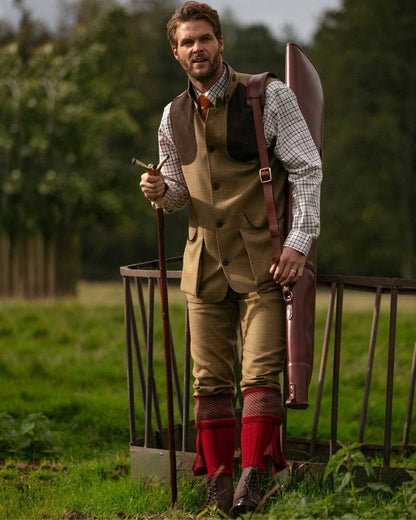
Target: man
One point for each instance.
(213, 165)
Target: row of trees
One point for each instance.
(77, 104)
(368, 68)
(67, 104)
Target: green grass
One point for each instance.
(66, 360)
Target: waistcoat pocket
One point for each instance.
(192, 268)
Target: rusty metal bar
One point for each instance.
(142, 307)
(390, 378)
(142, 312)
(406, 430)
(370, 363)
(186, 383)
(175, 374)
(149, 367)
(369, 283)
(137, 351)
(129, 359)
(153, 380)
(322, 368)
(151, 389)
(335, 373)
(145, 384)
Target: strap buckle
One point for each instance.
(265, 175)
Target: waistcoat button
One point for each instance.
(220, 223)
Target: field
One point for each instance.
(64, 422)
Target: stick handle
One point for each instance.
(157, 202)
(152, 170)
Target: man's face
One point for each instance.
(199, 52)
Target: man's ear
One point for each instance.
(175, 52)
(221, 44)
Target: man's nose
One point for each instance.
(197, 46)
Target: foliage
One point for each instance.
(8, 436)
(59, 115)
(343, 466)
(404, 499)
(37, 441)
(66, 105)
(363, 54)
(32, 441)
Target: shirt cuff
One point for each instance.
(299, 241)
(165, 200)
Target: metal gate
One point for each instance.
(148, 452)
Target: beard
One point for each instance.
(206, 74)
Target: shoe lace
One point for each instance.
(252, 481)
(212, 492)
(211, 508)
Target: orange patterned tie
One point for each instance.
(204, 103)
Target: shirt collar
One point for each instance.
(218, 88)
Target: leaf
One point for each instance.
(345, 481)
(379, 486)
(28, 427)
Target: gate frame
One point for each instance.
(149, 455)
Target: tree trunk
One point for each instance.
(4, 265)
(32, 266)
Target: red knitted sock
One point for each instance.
(215, 447)
(260, 442)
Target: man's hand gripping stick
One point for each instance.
(152, 170)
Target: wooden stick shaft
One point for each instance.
(167, 350)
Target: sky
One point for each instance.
(301, 15)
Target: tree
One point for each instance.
(364, 54)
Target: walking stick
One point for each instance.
(166, 327)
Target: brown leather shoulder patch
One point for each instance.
(182, 119)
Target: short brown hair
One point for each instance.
(193, 11)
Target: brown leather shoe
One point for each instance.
(220, 491)
(247, 496)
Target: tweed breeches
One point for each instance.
(214, 328)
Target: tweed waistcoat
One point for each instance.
(229, 241)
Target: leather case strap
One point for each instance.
(255, 99)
